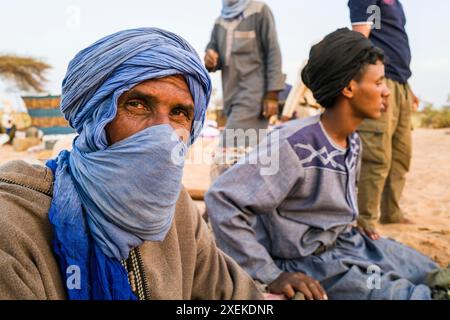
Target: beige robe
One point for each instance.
(186, 265)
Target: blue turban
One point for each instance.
(233, 8)
(108, 200)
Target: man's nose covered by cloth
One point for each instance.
(94, 226)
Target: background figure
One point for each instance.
(300, 103)
(244, 46)
(7, 124)
(386, 142)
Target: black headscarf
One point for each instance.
(334, 62)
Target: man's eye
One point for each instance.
(181, 112)
(135, 104)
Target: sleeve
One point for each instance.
(28, 269)
(214, 45)
(217, 276)
(272, 53)
(241, 194)
(17, 283)
(20, 278)
(358, 10)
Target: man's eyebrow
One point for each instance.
(188, 107)
(147, 98)
(381, 78)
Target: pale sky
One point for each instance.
(56, 30)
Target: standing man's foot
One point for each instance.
(400, 221)
(370, 232)
(367, 227)
(406, 221)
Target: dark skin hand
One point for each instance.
(416, 102)
(288, 283)
(270, 108)
(211, 59)
(270, 105)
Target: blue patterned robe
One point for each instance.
(302, 216)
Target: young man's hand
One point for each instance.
(288, 283)
(211, 59)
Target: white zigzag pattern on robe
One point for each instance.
(354, 146)
(323, 155)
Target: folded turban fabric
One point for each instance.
(108, 200)
(333, 63)
(233, 8)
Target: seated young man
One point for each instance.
(294, 230)
(110, 219)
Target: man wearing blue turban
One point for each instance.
(110, 219)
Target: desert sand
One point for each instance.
(426, 198)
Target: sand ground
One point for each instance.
(426, 198)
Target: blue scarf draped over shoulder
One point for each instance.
(108, 200)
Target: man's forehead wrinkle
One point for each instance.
(175, 81)
(138, 92)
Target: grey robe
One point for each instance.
(302, 217)
(250, 60)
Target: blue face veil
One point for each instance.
(109, 199)
(233, 8)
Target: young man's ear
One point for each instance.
(349, 90)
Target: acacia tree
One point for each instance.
(26, 72)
